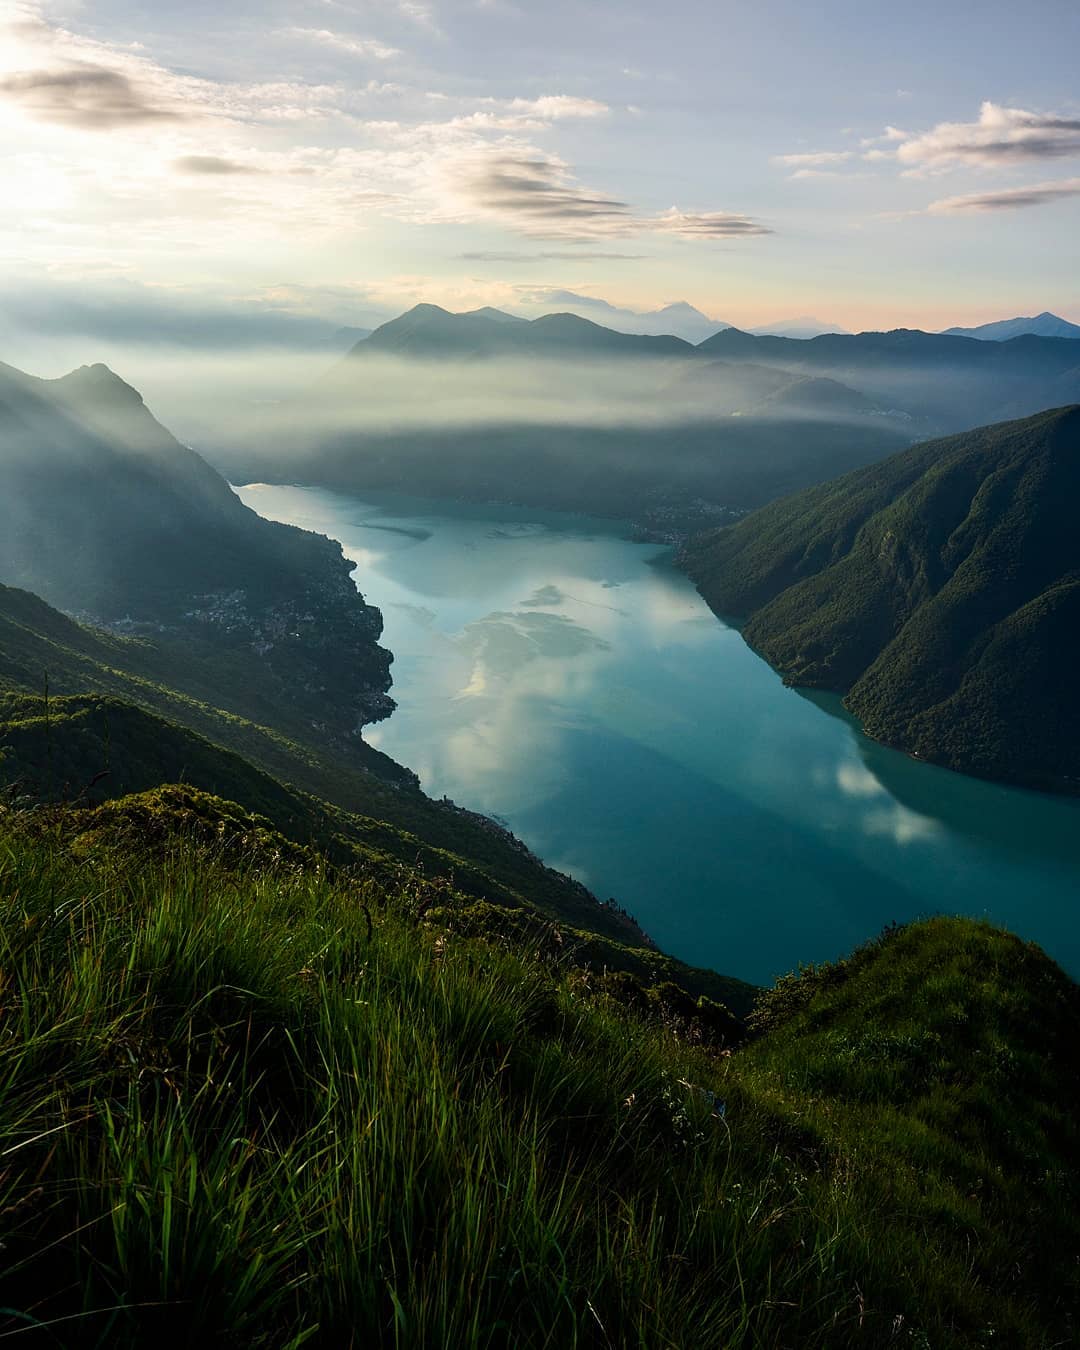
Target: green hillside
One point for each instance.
(940, 589)
(244, 1102)
(103, 513)
(43, 650)
(101, 733)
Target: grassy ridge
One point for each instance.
(90, 749)
(242, 1102)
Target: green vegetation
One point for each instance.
(104, 514)
(89, 748)
(292, 1055)
(939, 589)
(245, 1099)
(42, 650)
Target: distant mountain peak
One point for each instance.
(564, 318)
(428, 330)
(490, 312)
(98, 382)
(677, 318)
(1045, 324)
(682, 307)
(804, 326)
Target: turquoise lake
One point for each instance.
(570, 682)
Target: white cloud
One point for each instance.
(102, 135)
(549, 107)
(369, 48)
(889, 134)
(1002, 137)
(536, 194)
(708, 224)
(814, 160)
(1008, 199)
(531, 192)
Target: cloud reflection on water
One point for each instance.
(647, 747)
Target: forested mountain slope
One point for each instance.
(939, 589)
(103, 513)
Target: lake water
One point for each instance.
(554, 674)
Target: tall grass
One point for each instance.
(231, 1114)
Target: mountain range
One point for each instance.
(678, 319)
(939, 590)
(806, 326)
(1040, 325)
(430, 331)
(943, 382)
(564, 413)
(681, 319)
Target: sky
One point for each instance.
(873, 164)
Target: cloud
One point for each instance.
(366, 47)
(419, 12)
(1000, 138)
(509, 114)
(709, 225)
(291, 154)
(58, 76)
(557, 255)
(815, 160)
(535, 193)
(889, 134)
(821, 163)
(210, 164)
(1008, 199)
(819, 173)
(553, 107)
(86, 95)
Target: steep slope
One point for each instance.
(940, 589)
(245, 1102)
(105, 514)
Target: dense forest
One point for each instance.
(940, 590)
